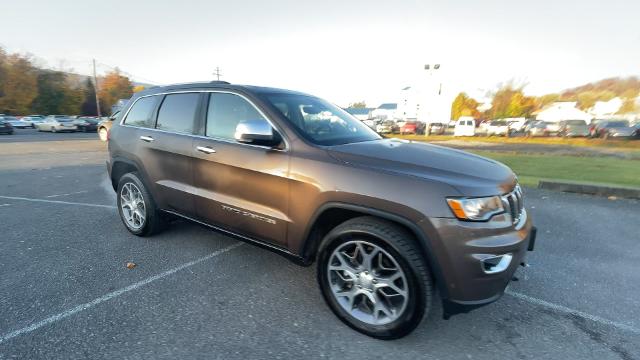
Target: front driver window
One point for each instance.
(225, 112)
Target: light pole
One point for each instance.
(430, 68)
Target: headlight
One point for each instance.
(476, 209)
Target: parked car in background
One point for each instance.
(387, 127)
(614, 129)
(516, 124)
(465, 127)
(552, 127)
(5, 127)
(57, 123)
(573, 128)
(371, 123)
(412, 127)
(593, 127)
(16, 123)
(87, 124)
(33, 120)
(537, 128)
(436, 128)
(636, 131)
(104, 126)
(498, 128)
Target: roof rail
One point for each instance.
(220, 82)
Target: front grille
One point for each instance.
(514, 203)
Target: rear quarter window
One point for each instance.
(141, 112)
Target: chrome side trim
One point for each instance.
(242, 237)
(286, 141)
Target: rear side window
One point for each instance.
(177, 113)
(141, 111)
(225, 112)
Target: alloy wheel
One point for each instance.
(132, 206)
(368, 282)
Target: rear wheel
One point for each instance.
(53, 129)
(374, 278)
(136, 206)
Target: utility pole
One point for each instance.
(95, 85)
(217, 73)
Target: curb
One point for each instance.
(590, 189)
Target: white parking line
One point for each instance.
(73, 193)
(566, 310)
(1, 205)
(65, 314)
(56, 202)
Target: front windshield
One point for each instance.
(321, 122)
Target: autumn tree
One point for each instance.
(50, 92)
(463, 105)
(18, 83)
(509, 102)
(544, 100)
(138, 88)
(114, 87)
(358, 105)
(629, 101)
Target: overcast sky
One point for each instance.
(340, 50)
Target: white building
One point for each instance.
(425, 100)
(602, 109)
(360, 113)
(385, 111)
(563, 110)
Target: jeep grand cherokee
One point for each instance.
(388, 222)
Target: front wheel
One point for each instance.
(374, 278)
(136, 206)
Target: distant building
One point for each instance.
(603, 109)
(563, 110)
(360, 113)
(385, 111)
(409, 104)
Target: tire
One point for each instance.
(53, 130)
(399, 248)
(102, 134)
(153, 221)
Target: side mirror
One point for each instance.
(258, 132)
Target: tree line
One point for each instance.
(27, 89)
(509, 100)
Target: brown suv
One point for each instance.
(387, 221)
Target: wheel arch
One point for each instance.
(331, 214)
(121, 166)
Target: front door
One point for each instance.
(242, 188)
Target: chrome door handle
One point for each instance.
(206, 150)
(146, 138)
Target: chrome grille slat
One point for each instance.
(514, 203)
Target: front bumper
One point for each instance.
(466, 253)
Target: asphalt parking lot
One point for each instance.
(65, 291)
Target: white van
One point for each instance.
(465, 127)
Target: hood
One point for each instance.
(470, 174)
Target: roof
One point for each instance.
(218, 85)
(358, 111)
(388, 106)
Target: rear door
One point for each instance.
(240, 187)
(164, 140)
